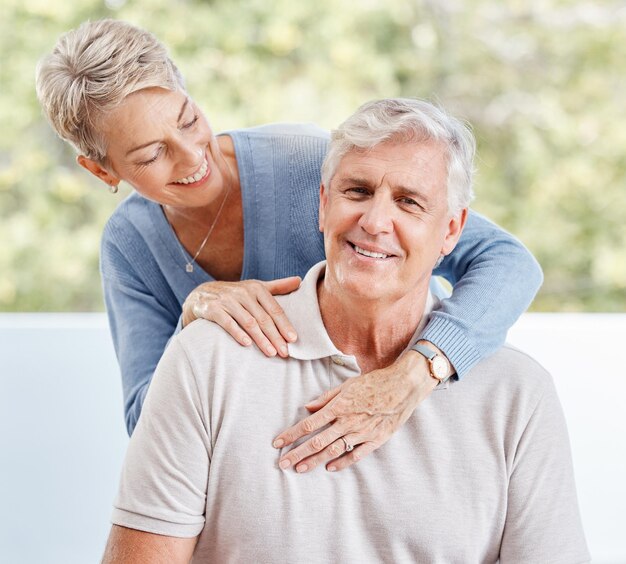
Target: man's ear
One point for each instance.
(323, 202)
(454, 229)
(97, 170)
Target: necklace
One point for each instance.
(189, 264)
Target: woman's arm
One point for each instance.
(140, 329)
(495, 278)
(141, 326)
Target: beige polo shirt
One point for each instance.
(480, 472)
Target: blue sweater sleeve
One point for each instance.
(494, 278)
(141, 322)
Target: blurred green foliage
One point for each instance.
(542, 83)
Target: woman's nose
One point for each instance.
(192, 154)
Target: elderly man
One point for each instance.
(481, 472)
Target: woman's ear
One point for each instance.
(97, 170)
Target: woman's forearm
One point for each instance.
(495, 279)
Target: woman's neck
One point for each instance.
(222, 254)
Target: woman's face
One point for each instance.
(160, 142)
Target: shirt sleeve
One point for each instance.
(165, 474)
(141, 326)
(495, 278)
(543, 521)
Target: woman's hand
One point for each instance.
(364, 412)
(246, 310)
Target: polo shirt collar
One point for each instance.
(303, 310)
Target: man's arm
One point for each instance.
(165, 474)
(543, 521)
(129, 546)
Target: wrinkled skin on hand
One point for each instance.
(246, 310)
(363, 412)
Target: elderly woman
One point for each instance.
(211, 215)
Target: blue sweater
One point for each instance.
(145, 283)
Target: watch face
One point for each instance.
(440, 367)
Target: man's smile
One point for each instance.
(370, 251)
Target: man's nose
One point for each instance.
(378, 216)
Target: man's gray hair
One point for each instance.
(90, 72)
(407, 120)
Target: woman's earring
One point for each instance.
(113, 188)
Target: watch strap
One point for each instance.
(424, 351)
(430, 354)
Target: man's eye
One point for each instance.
(357, 191)
(410, 202)
(190, 123)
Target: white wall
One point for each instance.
(62, 437)
(584, 354)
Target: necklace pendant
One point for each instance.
(189, 267)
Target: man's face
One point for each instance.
(385, 220)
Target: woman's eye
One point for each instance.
(150, 161)
(189, 123)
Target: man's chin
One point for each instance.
(368, 290)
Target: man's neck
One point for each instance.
(376, 333)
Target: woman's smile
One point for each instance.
(198, 177)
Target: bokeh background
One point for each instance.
(542, 81)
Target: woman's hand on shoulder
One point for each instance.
(246, 310)
(360, 415)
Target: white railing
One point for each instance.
(63, 440)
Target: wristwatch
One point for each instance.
(439, 365)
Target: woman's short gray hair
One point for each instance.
(91, 70)
(408, 120)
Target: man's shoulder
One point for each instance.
(507, 387)
(518, 359)
(513, 370)
(202, 334)
(205, 344)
